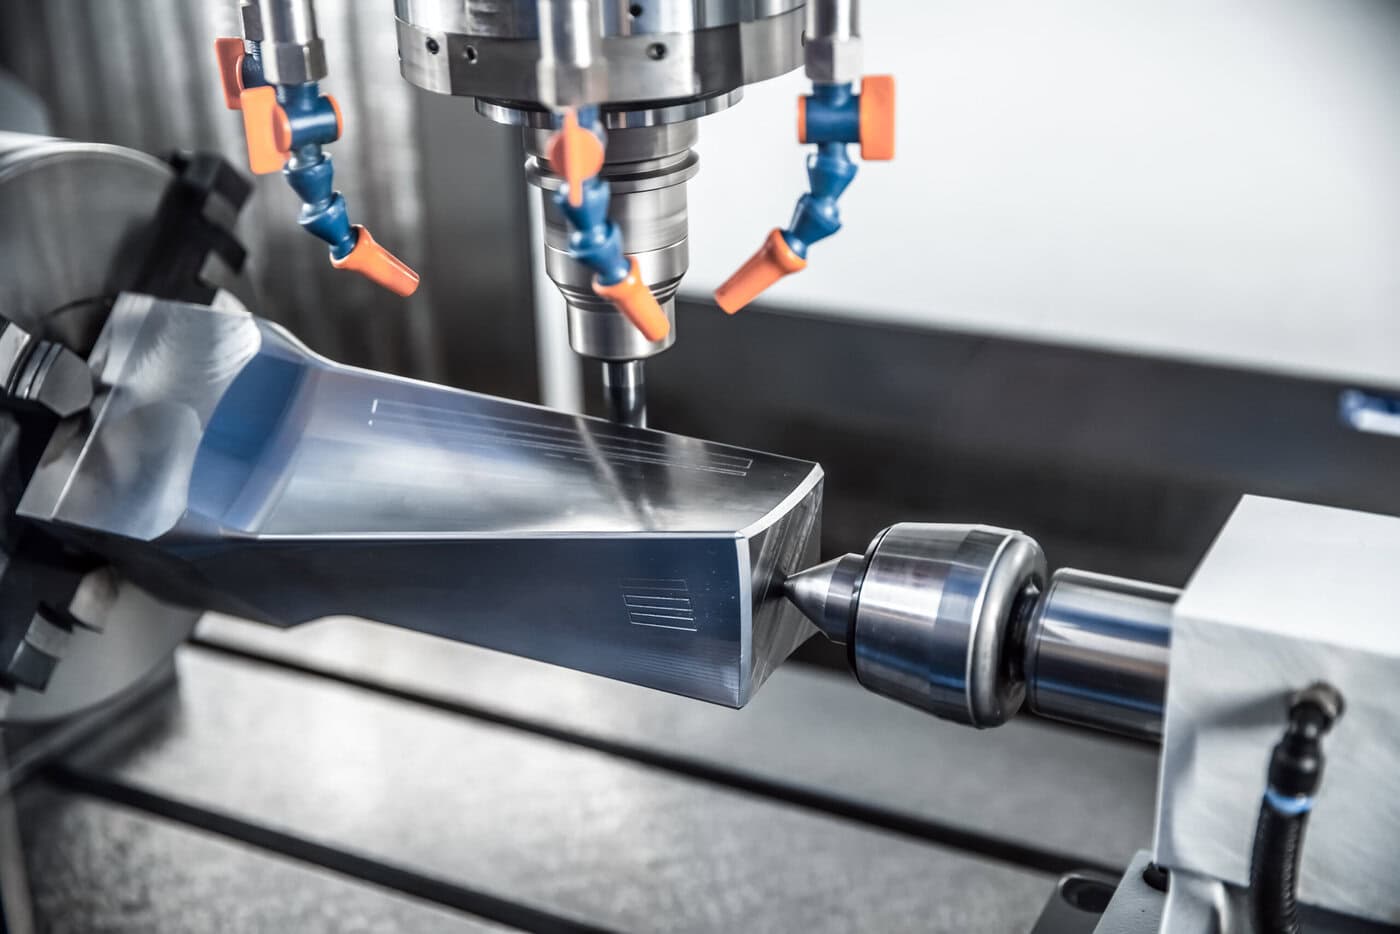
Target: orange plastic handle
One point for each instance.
(229, 54)
(576, 153)
(773, 260)
(266, 129)
(378, 265)
(877, 117)
(632, 297)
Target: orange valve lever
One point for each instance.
(632, 297)
(576, 153)
(378, 265)
(877, 117)
(773, 260)
(229, 54)
(267, 130)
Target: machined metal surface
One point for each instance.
(69, 215)
(571, 71)
(292, 50)
(226, 466)
(832, 48)
(1136, 906)
(41, 373)
(648, 168)
(1097, 652)
(517, 19)
(959, 621)
(74, 221)
(675, 50)
(1289, 594)
(625, 392)
(933, 614)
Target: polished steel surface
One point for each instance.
(648, 169)
(827, 594)
(1097, 652)
(518, 19)
(935, 614)
(667, 58)
(129, 637)
(958, 621)
(625, 392)
(630, 119)
(228, 467)
(832, 48)
(292, 50)
(73, 218)
(571, 70)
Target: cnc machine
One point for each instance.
(168, 452)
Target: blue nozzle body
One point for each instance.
(832, 121)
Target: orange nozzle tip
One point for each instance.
(773, 260)
(801, 118)
(632, 297)
(877, 117)
(576, 154)
(378, 265)
(266, 129)
(228, 53)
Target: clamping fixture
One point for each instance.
(832, 116)
(272, 76)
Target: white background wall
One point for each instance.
(1210, 179)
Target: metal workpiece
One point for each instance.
(1097, 651)
(653, 51)
(625, 391)
(647, 169)
(225, 466)
(831, 51)
(291, 49)
(571, 71)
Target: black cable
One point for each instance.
(1295, 774)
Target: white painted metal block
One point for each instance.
(1289, 594)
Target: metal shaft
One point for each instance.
(832, 46)
(833, 19)
(1096, 652)
(625, 389)
(960, 621)
(570, 72)
(292, 50)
